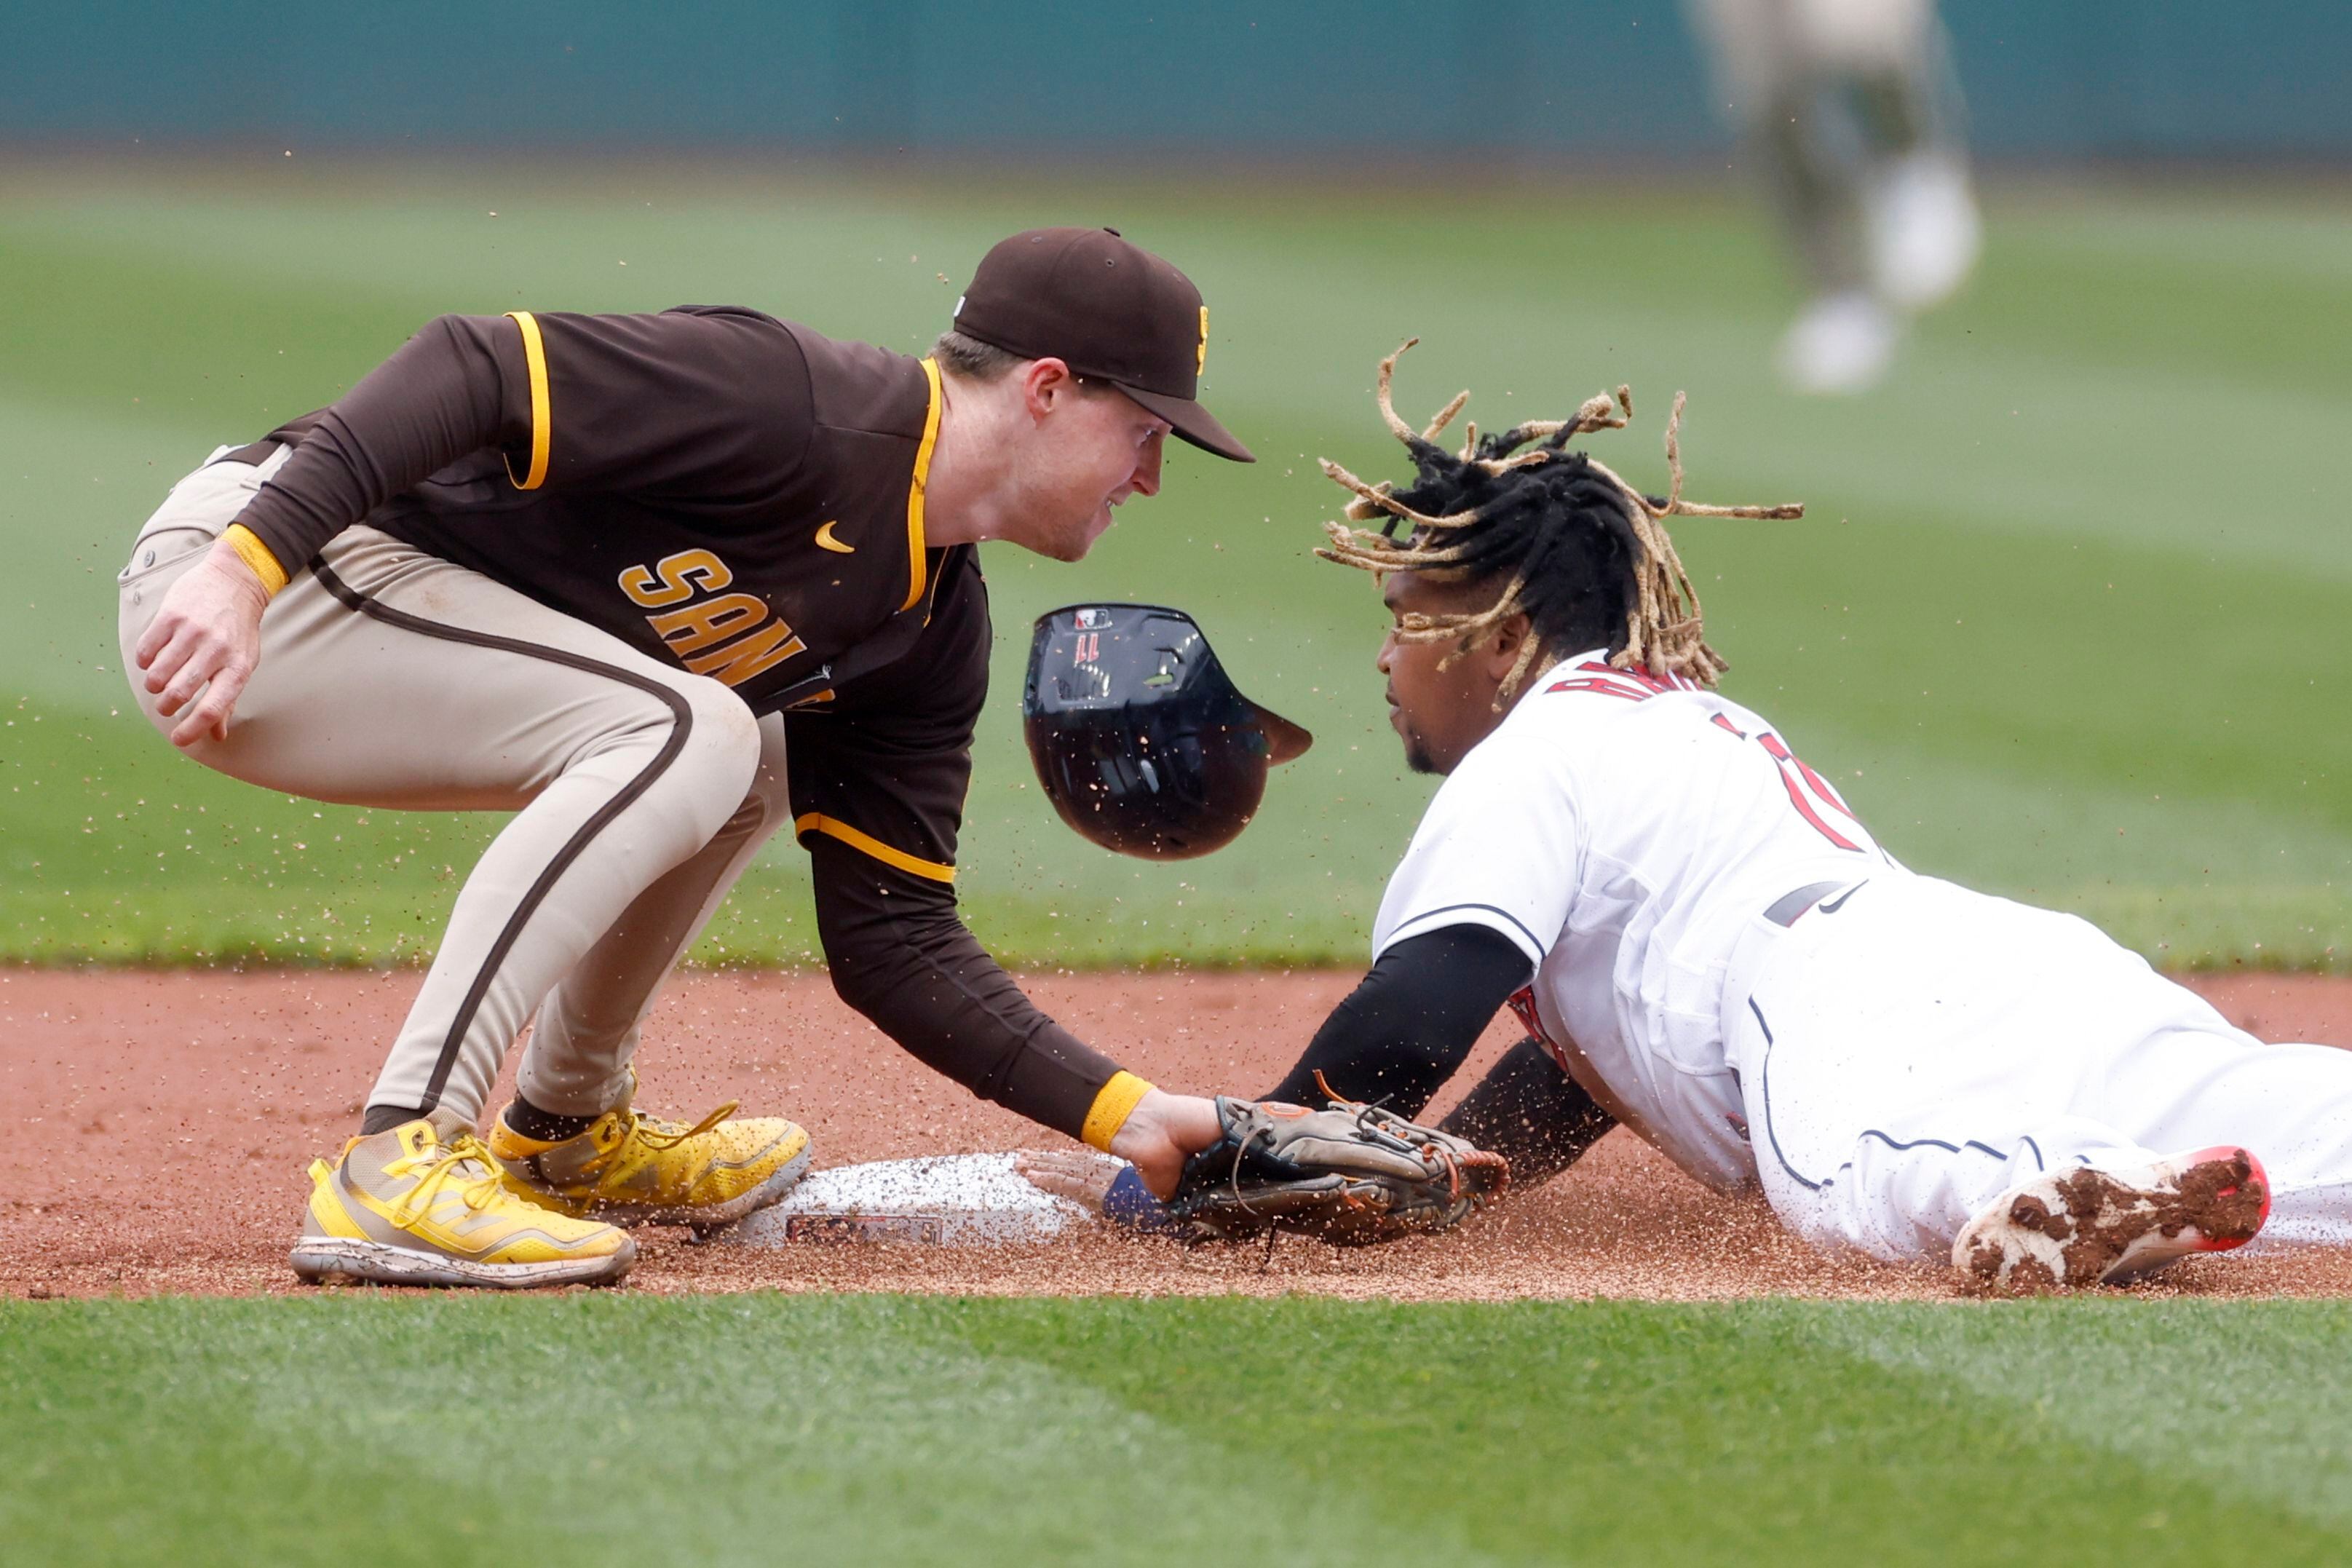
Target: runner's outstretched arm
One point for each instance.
(1410, 1022)
(1409, 1026)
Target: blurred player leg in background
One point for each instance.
(1851, 114)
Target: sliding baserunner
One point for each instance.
(661, 585)
(1706, 944)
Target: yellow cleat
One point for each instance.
(632, 1169)
(422, 1205)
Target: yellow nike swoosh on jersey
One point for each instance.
(825, 540)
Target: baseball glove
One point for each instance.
(1353, 1174)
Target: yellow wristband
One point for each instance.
(1112, 1107)
(255, 554)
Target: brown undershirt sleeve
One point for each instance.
(899, 955)
(447, 391)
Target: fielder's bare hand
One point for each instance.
(206, 639)
(1161, 1132)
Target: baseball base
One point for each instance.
(951, 1200)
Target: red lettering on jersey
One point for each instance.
(1797, 799)
(1650, 678)
(1606, 689)
(1633, 685)
(1821, 787)
(1641, 685)
(1790, 768)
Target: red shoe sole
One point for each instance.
(2256, 1175)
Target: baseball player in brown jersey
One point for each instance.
(661, 585)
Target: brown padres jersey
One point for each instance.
(741, 496)
(725, 492)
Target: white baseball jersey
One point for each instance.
(1625, 829)
(1885, 1067)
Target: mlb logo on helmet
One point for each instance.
(1093, 619)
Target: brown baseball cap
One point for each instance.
(1110, 311)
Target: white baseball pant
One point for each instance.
(1907, 1059)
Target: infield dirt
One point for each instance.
(159, 1125)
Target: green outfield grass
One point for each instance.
(759, 1430)
(2065, 620)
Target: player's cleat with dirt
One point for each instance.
(629, 1168)
(2066, 1230)
(423, 1204)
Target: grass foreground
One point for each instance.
(407, 1428)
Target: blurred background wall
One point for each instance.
(2067, 620)
(2047, 81)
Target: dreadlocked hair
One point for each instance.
(1582, 553)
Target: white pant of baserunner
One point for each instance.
(1910, 1057)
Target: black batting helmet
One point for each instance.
(1141, 740)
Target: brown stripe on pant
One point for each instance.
(395, 679)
